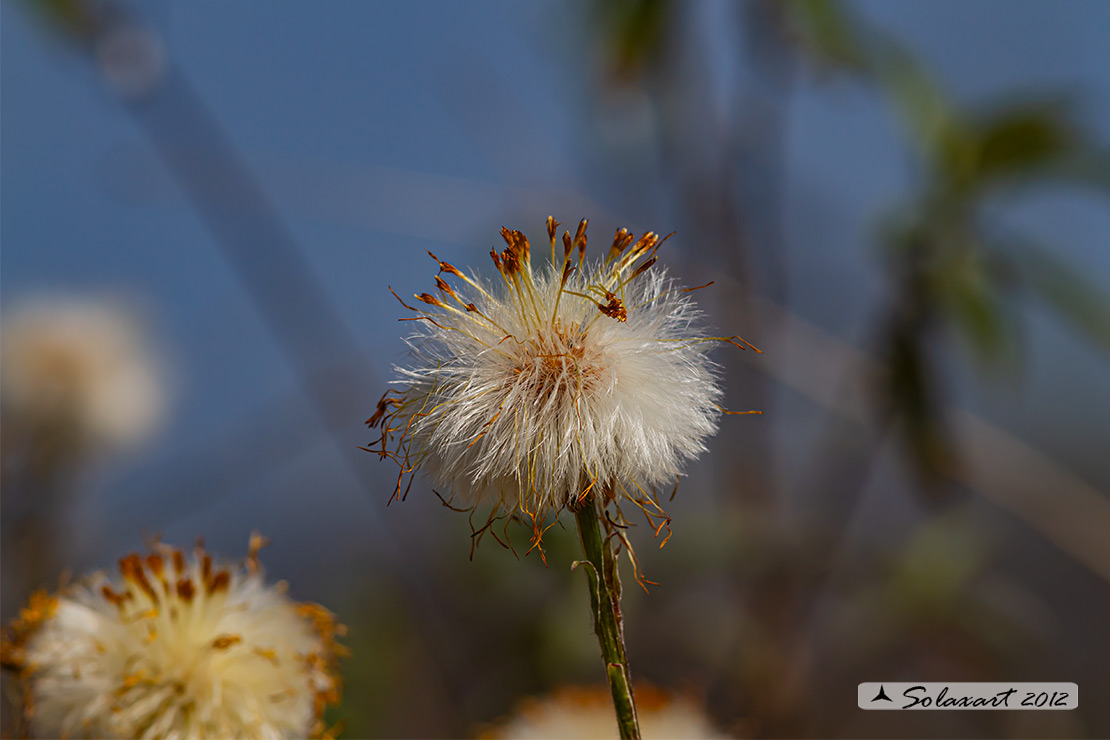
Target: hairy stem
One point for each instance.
(605, 601)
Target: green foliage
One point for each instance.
(70, 19)
(634, 31)
(946, 274)
(1019, 140)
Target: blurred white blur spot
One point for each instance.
(83, 367)
(575, 712)
(131, 59)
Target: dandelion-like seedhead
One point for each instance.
(531, 390)
(175, 647)
(81, 367)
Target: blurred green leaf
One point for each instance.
(910, 395)
(1006, 143)
(73, 19)
(955, 279)
(966, 292)
(634, 30)
(942, 138)
(1085, 167)
(1024, 138)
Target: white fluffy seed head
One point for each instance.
(174, 647)
(82, 367)
(532, 389)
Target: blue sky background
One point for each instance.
(383, 129)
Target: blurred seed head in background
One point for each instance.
(174, 646)
(577, 712)
(82, 370)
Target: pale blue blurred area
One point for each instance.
(383, 129)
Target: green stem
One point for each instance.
(605, 601)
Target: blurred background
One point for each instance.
(903, 204)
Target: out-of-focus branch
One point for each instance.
(1051, 501)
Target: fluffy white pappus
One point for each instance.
(543, 385)
(84, 366)
(175, 647)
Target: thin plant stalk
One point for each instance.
(605, 602)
